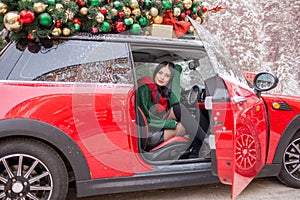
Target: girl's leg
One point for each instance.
(169, 133)
(192, 126)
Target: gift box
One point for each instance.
(161, 30)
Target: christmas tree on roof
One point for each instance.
(36, 19)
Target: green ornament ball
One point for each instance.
(51, 2)
(128, 21)
(76, 27)
(195, 9)
(136, 29)
(45, 19)
(167, 4)
(148, 3)
(105, 27)
(94, 2)
(117, 4)
(143, 21)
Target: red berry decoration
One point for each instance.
(30, 37)
(121, 15)
(195, 16)
(204, 9)
(58, 23)
(103, 10)
(26, 17)
(76, 21)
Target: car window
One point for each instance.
(76, 61)
(147, 58)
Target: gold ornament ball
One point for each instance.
(134, 4)
(84, 11)
(59, 7)
(100, 18)
(127, 11)
(148, 16)
(176, 12)
(39, 7)
(11, 21)
(153, 12)
(158, 19)
(3, 8)
(187, 4)
(56, 32)
(191, 29)
(136, 12)
(199, 20)
(114, 12)
(196, 1)
(70, 15)
(66, 31)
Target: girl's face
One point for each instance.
(163, 76)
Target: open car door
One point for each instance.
(238, 118)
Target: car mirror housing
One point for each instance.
(265, 81)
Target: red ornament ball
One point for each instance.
(121, 15)
(81, 3)
(182, 15)
(26, 17)
(58, 23)
(94, 30)
(120, 27)
(103, 10)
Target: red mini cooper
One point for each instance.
(68, 117)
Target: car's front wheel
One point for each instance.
(30, 169)
(290, 169)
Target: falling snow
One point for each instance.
(261, 36)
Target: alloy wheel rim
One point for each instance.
(24, 177)
(245, 152)
(291, 159)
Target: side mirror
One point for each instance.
(265, 81)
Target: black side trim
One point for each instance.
(52, 135)
(269, 170)
(144, 182)
(287, 135)
(214, 165)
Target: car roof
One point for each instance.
(134, 39)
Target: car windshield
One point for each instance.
(218, 55)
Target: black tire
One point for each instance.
(290, 168)
(29, 169)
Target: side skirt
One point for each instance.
(149, 181)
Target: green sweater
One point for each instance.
(155, 119)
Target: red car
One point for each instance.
(68, 118)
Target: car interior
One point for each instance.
(178, 149)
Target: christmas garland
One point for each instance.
(36, 19)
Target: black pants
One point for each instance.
(191, 125)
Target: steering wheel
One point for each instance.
(193, 95)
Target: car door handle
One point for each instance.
(238, 99)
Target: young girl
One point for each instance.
(159, 102)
